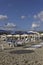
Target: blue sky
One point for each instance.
(22, 14)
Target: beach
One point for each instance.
(21, 56)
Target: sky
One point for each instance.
(21, 14)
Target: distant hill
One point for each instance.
(15, 32)
(5, 32)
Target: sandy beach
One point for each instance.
(21, 56)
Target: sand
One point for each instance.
(21, 56)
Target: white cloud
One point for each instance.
(3, 17)
(35, 25)
(8, 26)
(23, 17)
(35, 16)
(39, 16)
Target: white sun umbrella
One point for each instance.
(9, 35)
(24, 35)
(42, 34)
(17, 35)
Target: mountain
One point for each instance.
(5, 32)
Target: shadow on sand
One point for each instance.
(21, 51)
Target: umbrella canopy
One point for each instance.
(42, 34)
(17, 35)
(9, 35)
(24, 35)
